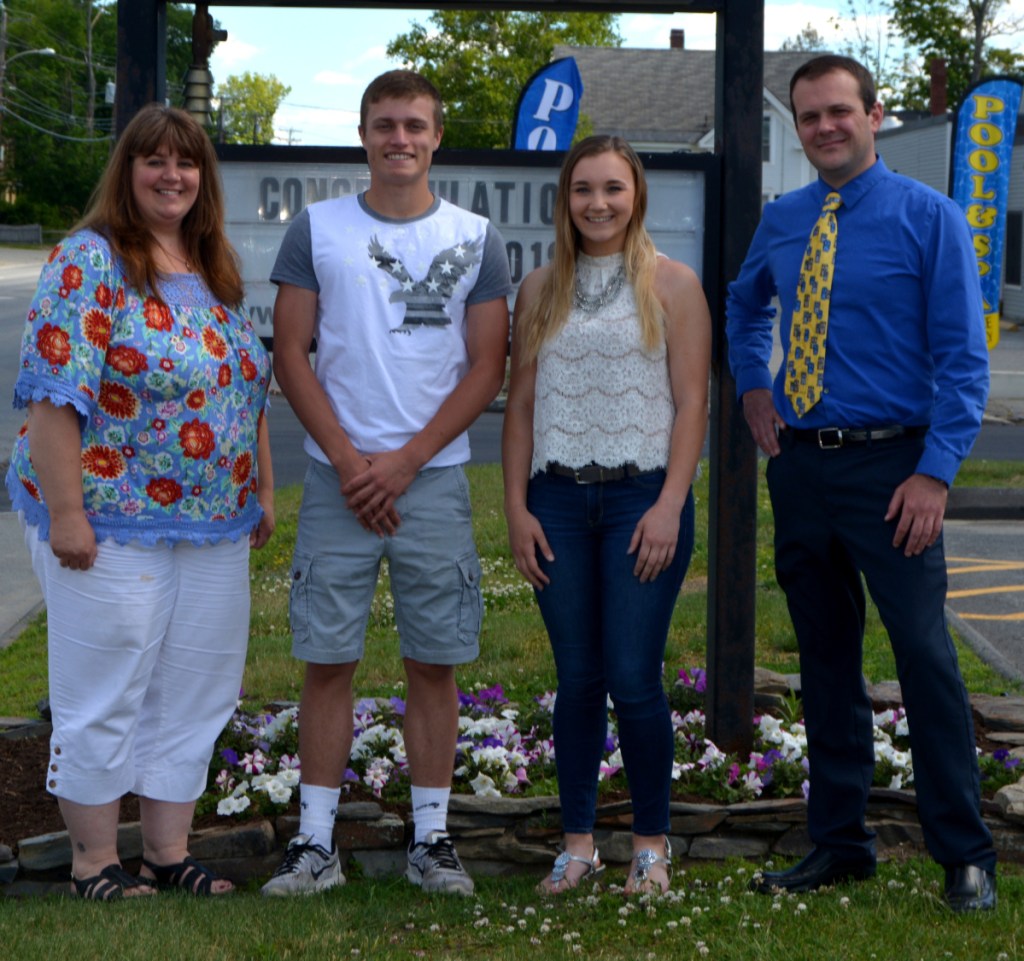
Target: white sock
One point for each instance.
(429, 810)
(319, 807)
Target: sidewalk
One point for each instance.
(20, 600)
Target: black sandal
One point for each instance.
(109, 885)
(188, 875)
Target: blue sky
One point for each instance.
(328, 57)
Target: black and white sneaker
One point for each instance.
(434, 866)
(306, 869)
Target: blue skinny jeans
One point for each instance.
(608, 634)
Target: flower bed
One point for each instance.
(506, 749)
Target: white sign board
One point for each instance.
(262, 198)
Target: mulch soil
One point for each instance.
(27, 810)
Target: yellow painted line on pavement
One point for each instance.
(977, 565)
(979, 591)
(1019, 616)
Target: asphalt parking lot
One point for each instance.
(985, 562)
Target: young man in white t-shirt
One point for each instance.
(406, 296)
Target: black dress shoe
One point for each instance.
(819, 869)
(970, 888)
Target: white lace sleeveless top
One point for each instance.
(601, 396)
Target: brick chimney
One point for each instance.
(677, 38)
(938, 87)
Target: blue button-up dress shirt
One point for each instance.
(906, 332)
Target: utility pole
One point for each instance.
(3, 74)
(90, 72)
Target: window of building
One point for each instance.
(1014, 247)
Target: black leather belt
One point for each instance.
(595, 473)
(832, 438)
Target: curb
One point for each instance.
(980, 645)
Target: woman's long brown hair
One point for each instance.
(114, 213)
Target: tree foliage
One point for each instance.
(55, 144)
(808, 39)
(960, 32)
(248, 103)
(869, 37)
(480, 62)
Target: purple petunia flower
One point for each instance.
(230, 755)
(398, 706)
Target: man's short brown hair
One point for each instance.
(830, 62)
(400, 85)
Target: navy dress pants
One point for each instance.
(829, 508)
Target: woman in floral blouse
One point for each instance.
(143, 478)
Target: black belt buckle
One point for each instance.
(830, 438)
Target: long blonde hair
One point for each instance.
(549, 310)
(114, 213)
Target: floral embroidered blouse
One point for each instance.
(169, 400)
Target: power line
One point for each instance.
(52, 133)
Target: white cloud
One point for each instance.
(233, 53)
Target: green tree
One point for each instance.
(807, 39)
(480, 62)
(869, 37)
(960, 32)
(248, 103)
(57, 124)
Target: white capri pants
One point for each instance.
(146, 653)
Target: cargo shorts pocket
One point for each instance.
(299, 598)
(471, 601)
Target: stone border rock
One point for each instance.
(499, 836)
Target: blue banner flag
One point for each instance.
(549, 107)
(979, 179)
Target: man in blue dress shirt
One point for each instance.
(859, 481)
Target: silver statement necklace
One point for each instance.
(591, 303)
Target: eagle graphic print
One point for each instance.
(425, 300)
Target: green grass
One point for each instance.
(710, 914)
(514, 644)
(896, 917)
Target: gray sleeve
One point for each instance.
(494, 280)
(294, 264)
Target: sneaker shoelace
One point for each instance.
(443, 854)
(295, 853)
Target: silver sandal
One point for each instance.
(562, 862)
(645, 860)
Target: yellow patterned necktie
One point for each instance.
(805, 359)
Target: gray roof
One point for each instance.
(662, 95)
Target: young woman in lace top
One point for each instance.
(143, 478)
(606, 416)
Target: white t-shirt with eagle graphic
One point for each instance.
(391, 312)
